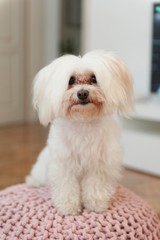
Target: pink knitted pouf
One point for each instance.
(27, 213)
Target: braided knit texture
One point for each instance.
(27, 214)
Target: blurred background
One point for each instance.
(34, 32)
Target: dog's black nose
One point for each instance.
(82, 94)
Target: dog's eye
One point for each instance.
(93, 79)
(72, 80)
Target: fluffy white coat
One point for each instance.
(82, 159)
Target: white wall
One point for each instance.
(52, 29)
(123, 27)
(33, 50)
(42, 21)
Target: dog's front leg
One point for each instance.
(65, 191)
(96, 191)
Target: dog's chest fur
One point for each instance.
(81, 146)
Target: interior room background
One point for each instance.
(33, 33)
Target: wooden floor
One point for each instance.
(20, 145)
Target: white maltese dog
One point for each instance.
(81, 161)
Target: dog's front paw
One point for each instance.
(96, 205)
(96, 198)
(70, 207)
(67, 201)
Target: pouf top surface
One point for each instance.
(27, 213)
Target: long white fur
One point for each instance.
(82, 159)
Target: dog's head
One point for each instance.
(83, 88)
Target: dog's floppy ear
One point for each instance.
(114, 78)
(120, 87)
(49, 86)
(41, 96)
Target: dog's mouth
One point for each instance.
(83, 102)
